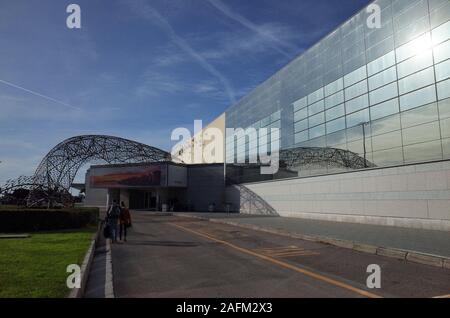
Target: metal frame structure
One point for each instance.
(58, 169)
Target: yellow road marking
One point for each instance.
(282, 264)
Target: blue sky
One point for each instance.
(139, 69)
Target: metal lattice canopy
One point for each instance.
(58, 169)
(301, 157)
(60, 166)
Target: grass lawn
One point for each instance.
(36, 267)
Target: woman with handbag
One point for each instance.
(125, 221)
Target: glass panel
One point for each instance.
(335, 112)
(315, 96)
(355, 76)
(301, 125)
(422, 133)
(335, 125)
(417, 80)
(383, 93)
(334, 87)
(415, 64)
(301, 103)
(388, 157)
(443, 89)
(337, 138)
(445, 128)
(381, 63)
(357, 104)
(442, 71)
(441, 33)
(386, 77)
(384, 109)
(358, 118)
(317, 131)
(276, 116)
(446, 148)
(442, 52)
(317, 119)
(418, 98)
(316, 108)
(358, 146)
(386, 124)
(414, 47)
(356, 90)
(387, 141)
(444, 108)
(334, 100)
(423, 152)
(302, 114)
(420, 115)
(300, 137)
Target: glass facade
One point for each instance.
(377, 94)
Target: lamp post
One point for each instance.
(363, 125)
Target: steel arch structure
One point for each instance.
(58, 169)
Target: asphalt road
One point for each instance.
(168, 256)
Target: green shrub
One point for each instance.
(31, 220)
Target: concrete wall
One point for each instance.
(415, 196)
(205, 186)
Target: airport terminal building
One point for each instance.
(364, 130)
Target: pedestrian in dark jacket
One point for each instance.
(112, 218)
(125, 221)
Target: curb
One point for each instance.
(86, 268)
(109, 286)
(399, 254)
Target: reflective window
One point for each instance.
(334, 100)
(442, 52)
(387, 124)
(302, 114)
(315, 96)
(441, 33)
(317, 131)
(316, 108)
(317, 119)
(418, 98)
(301, 103)
(423, 152)
(381, 63)
(383, 78)
(358, 118)
(442, 71)
(335, 112)
(387, 141)
(421, 133)
(355, 76)
(356, 90)
(415, 64)
(276, 116)
(445, 128)
(336, 125)
(300, 137)
(414, 47)
(388, 157)
(357, 104)
(383, 93)
(301, 125)
(443, 89)
(417, 80)
(384, 109)
(334, 87)
(337, 138)
(444, 108)
(420, 115)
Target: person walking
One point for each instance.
(112, 218)
(125, 221)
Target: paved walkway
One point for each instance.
(423, 241)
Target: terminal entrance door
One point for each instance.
(143, 200)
